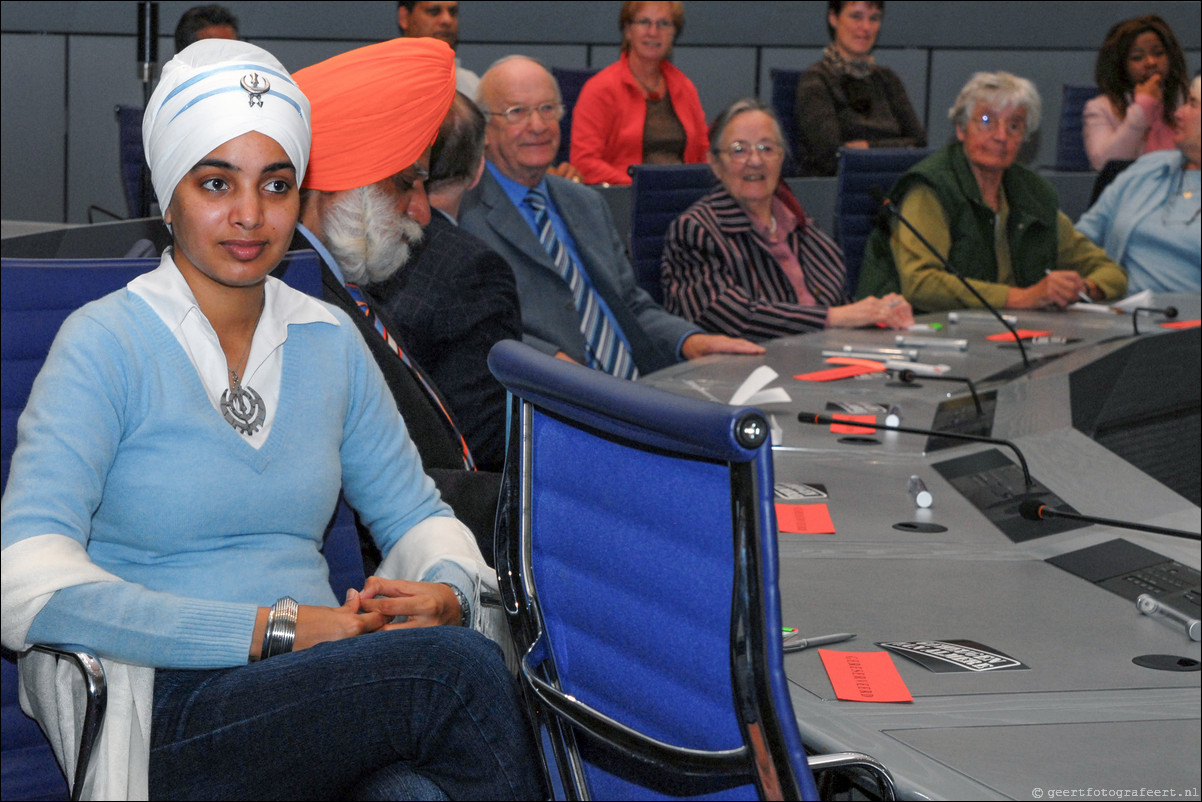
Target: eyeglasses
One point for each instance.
(1015, 129)
(648, 24)
(739, 151)
(516, 115)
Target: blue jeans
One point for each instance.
(419, 713)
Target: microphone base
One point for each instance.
(995, 486)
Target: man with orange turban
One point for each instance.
(376, 111)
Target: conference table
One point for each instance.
(1084, 696)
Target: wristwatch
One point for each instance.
(465, 607)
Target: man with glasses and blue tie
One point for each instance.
(578, 293)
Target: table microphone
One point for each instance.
(1169, 311)
(909, 376)
(827, 420)
(878, 195)
(1033, 510)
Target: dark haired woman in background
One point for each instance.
(1141, 72)
(848, 100)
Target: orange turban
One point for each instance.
(375, 110)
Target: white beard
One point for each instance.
(367, 235)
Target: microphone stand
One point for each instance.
(148, 56)
(909, 377)
(1032, 510)
(1169, 311)
(887, 205)
(813, 417)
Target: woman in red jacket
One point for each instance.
(640, 110)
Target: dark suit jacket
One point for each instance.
(549, 317)
(471, 494)
(453, 301)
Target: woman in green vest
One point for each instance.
(997, 222)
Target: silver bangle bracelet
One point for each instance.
(281, 627)
(263, 647)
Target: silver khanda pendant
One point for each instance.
(243, 408)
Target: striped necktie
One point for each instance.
(361, 301)
(607, 349)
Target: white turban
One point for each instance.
(213, 91)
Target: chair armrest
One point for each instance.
(97, 698)
(729, 763)
(856, 761)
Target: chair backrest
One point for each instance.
(133, 160)
(1070, 143)
(860, 169)
(660, 194)
(570, 83)
(637, 551)
(1110, 171)
(784, 103)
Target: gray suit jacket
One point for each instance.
(549, 318)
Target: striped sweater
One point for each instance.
(717, 273)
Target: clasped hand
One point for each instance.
(382, 604)
(892, 311)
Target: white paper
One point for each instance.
(752, 391)
(1132, 302)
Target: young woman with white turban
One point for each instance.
(177, 463)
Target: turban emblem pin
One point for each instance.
(256, 86)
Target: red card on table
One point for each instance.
(1181, 324)
(875, 364)
(857, 368)
(804, 519)
(843, 428)
(1023, 334)
(864, 676)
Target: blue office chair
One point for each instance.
(638, 564)
(36, 296)
(1110, 171)
(860, 169)
(135, 180)
(570, 84)
(1070, 142)
(660, 194)
(784, 103)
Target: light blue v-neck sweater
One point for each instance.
(120, 448)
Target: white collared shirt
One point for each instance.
(169, 295)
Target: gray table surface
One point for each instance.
(1083, 719)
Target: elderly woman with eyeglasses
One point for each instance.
(998, 223)
(745, 260)
(641, 109)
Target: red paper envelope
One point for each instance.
(864, 676)
(1182, 324)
